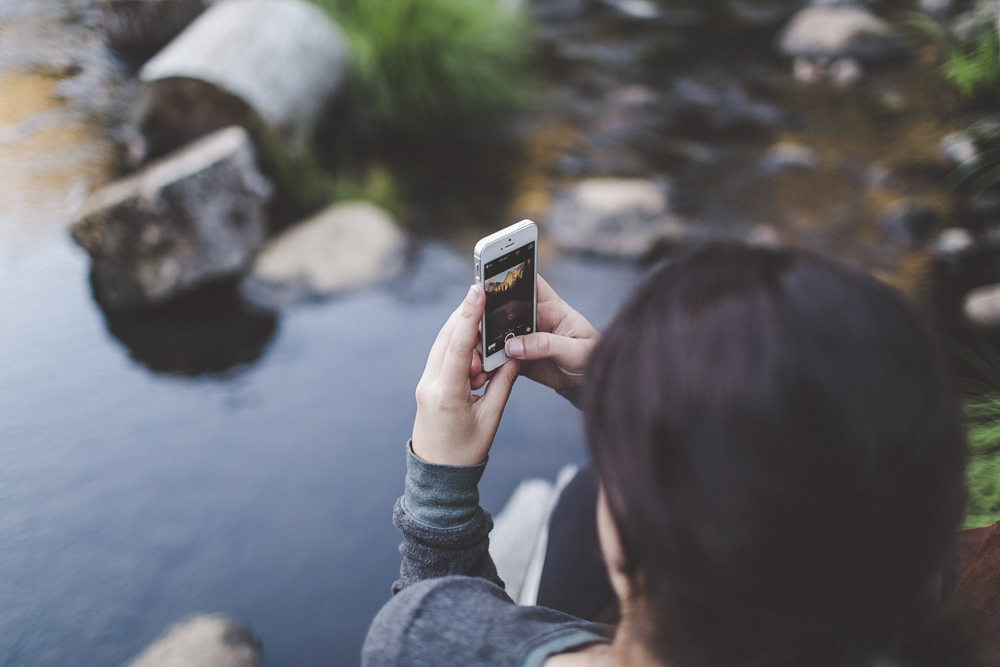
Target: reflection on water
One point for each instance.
(210, 332)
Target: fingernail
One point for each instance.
(515, 348)
(473, 295)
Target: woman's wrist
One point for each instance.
(440, 496)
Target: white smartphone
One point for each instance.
(506, 268)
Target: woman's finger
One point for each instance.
(477, 365)
(464, 337)
(498, 391)
(436, 355)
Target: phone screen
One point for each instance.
(509, 282)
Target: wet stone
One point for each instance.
(191, 218)
(208, 640)
(910, 219)
(788, 155)
(344, 247)
(958, 147)
(614, 217)
(982, 306)
(952, 242)
(841, 32)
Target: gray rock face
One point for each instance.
(982, 306)
(195, 216)
(841, 32)
(344, 247)
(243, 49)
(208, 640)
(614, 217)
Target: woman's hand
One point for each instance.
(454, 426)
(557, 354)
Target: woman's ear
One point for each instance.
(611, 549)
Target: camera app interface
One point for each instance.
(510, 292)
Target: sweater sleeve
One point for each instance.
(445, 531)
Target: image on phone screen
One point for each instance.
(509, 282)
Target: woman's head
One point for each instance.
(782, 454)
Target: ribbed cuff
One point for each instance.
(440, 496)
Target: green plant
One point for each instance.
(983, 472)
(982, 409)
(422, 63)
(972, 60)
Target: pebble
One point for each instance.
(982, 306)
(788, 155)
(958, 147)
(845, 72)
(953, 241)
(910, 219)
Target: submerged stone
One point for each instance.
(623, 218)
(344, 247)
(982, 306)
(208, 640)
(190, 218)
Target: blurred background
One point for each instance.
(229, 232)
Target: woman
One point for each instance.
(781, 463)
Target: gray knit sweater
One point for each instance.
(449, 606)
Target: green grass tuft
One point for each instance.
(971, 62)
(983, 473)
(423, 63)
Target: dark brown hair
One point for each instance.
(783, 455)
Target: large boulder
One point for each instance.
(344, 247)
(208, 640)
(193, 217)
(841, 32)
(282, 59)
(624, 218)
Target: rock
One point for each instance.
(613, 217)
(841, 32)
(788, 155)
(137, 29)
(191, 218)
(208, 640)
(642, 10)
(711, 105)
(985, 206)
(939, 9)
(845, 3)
(807, 71)
(344, 247)
(982, 306)
(844, 72)
(953, 241)
(909, 219)
(764, 235)
(958, 147)
(878, 177)
(760, 13)
(242, 49)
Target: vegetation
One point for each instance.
(983, 473)
(982, 408)
(971, 59)
(421, 63)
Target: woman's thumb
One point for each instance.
(566, 352)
